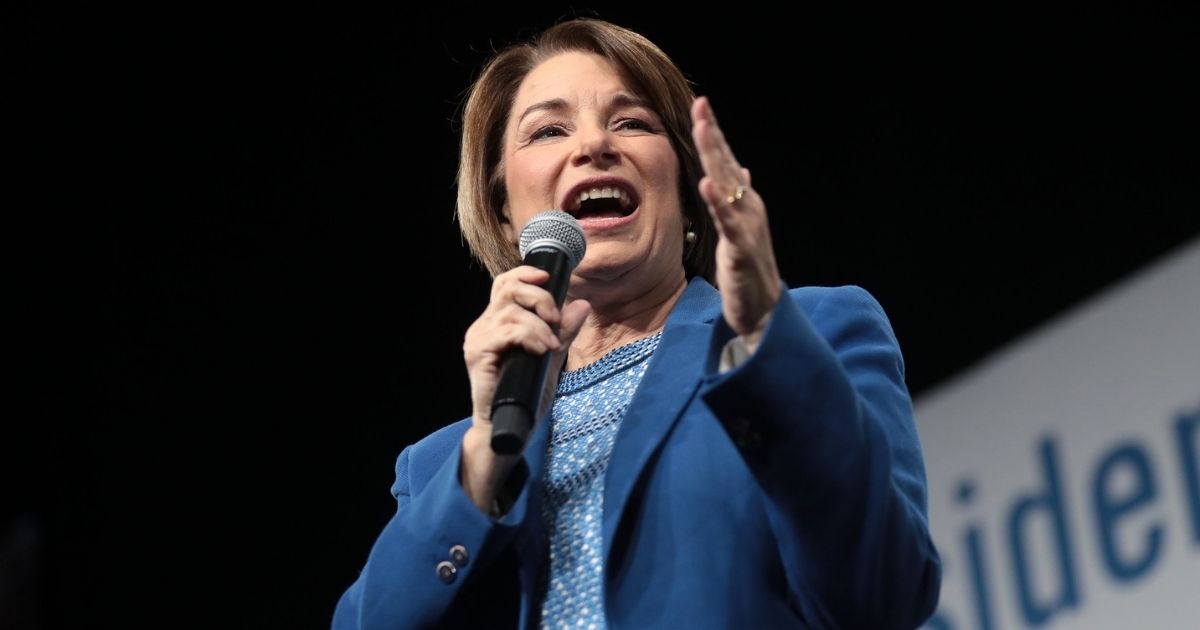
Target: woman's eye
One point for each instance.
(549, 131)
(633, 123)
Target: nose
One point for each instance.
(595, 146)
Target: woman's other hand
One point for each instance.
(747, 274)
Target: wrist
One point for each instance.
(754, 336)
(482, 471)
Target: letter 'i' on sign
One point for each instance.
(973, 544)
(973, 541)
(1049, 501)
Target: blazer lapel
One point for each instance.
(670, 381)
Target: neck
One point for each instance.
(618, 322)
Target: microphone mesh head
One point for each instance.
(554, 229)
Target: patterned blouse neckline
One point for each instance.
(614, 361)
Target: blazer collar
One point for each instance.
(699, 304)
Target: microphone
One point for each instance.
(552, 240)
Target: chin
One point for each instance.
(599, 267)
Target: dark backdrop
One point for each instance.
(245, 250)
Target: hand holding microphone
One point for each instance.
(552, 241)
(508, 349)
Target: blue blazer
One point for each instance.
(788, 492)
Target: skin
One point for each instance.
(574, 119)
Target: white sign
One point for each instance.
(1064, 472)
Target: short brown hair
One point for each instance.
(643, 66)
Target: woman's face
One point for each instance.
(578, 139)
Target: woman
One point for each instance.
(742, 459)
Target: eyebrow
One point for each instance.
(554, 104)
(558, 104)
(628, 100)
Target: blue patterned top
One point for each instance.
(588, 408)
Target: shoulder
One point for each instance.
(848, 297)
(847, 301)
(701, 302)
(849, 310)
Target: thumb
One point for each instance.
(573, 316)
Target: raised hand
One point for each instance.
(747, 274)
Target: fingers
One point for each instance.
(716, 157)
(725, 187)
(520, 314)
(515, 326)
(732, 218)
(722, 215)
(520, 286)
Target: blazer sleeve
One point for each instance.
(401, 586)
(824, 421)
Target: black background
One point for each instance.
(243, 248)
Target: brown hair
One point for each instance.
(648, 72)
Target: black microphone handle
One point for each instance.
(523, 375)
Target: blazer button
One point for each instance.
(446, 571)
(458, 554)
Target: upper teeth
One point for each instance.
(604, 192)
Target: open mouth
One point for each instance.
(609, 201)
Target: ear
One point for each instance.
(506, 224)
